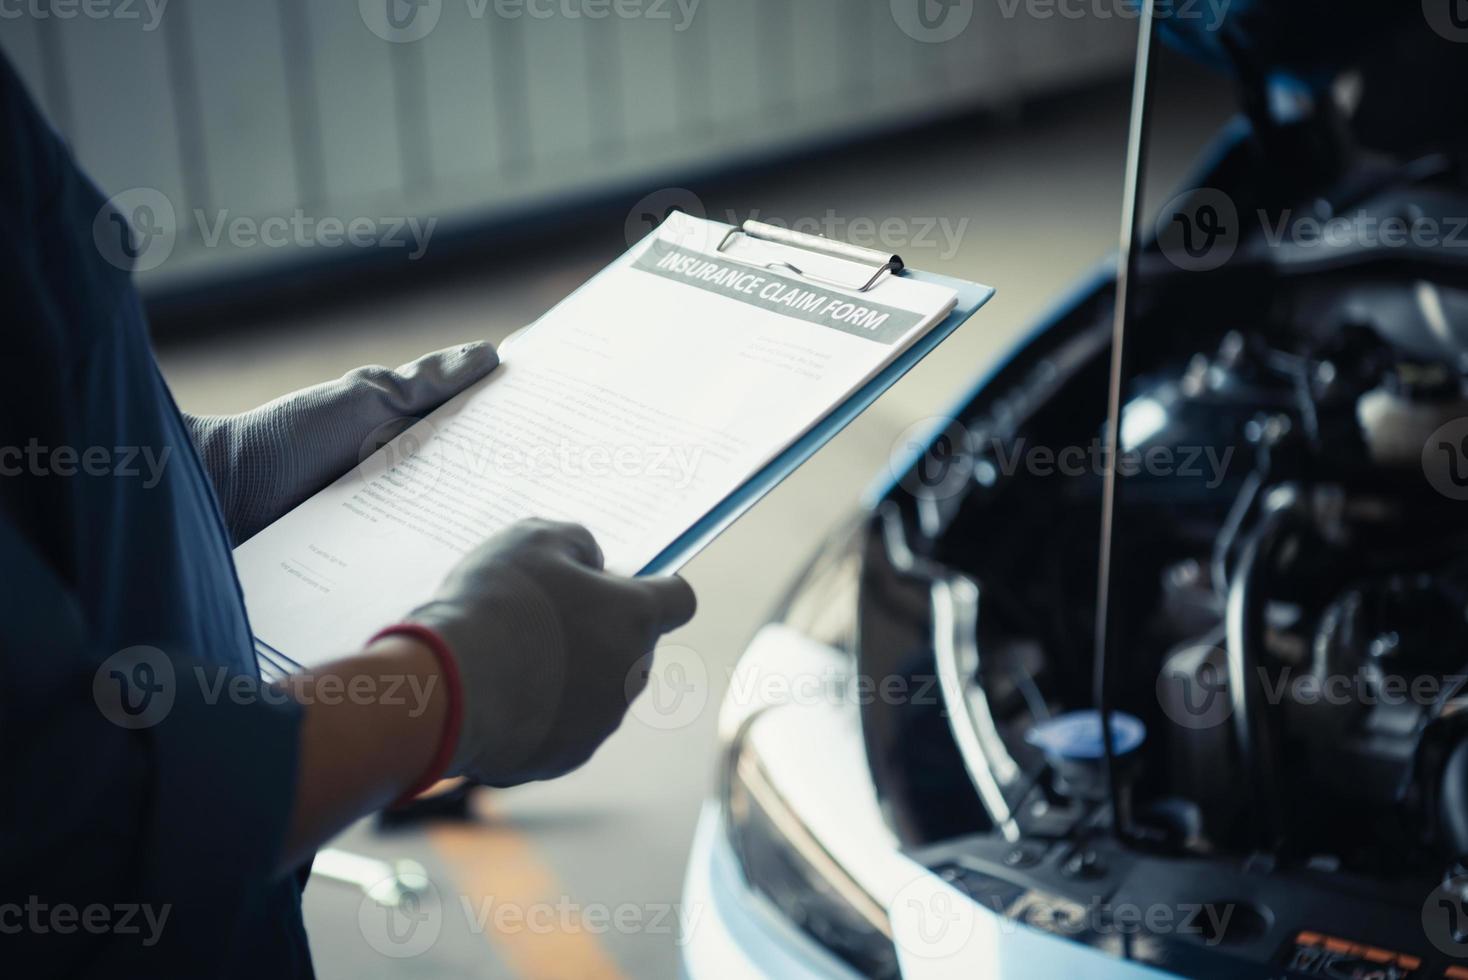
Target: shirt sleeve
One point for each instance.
(146, 795)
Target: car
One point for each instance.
(930, 766)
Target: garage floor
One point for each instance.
(594, 861)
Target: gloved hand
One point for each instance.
(546, 646)
(266, 461)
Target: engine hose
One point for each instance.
(1244, 631)
(1452, 804)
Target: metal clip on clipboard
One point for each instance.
(884, 262)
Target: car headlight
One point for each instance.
(799, 807)
(783, 860)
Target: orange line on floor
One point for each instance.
(525, 912)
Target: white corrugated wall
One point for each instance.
(258, 108)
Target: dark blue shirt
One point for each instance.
(144, 802)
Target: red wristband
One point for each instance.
(453, 717)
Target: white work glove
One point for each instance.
(549, 648)
(265, 462)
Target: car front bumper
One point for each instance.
(815, 756)
(731, 931)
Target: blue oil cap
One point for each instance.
(1076, 736)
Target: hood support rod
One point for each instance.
(1131, 217)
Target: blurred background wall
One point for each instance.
(479, 113)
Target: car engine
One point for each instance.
(1288, 666)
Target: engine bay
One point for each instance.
(1290, 652)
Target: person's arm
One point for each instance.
(357, 755)
(519, 668)
(191, 809)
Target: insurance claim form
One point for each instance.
(635, 406)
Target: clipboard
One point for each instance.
(971, 298)
(865, 270)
